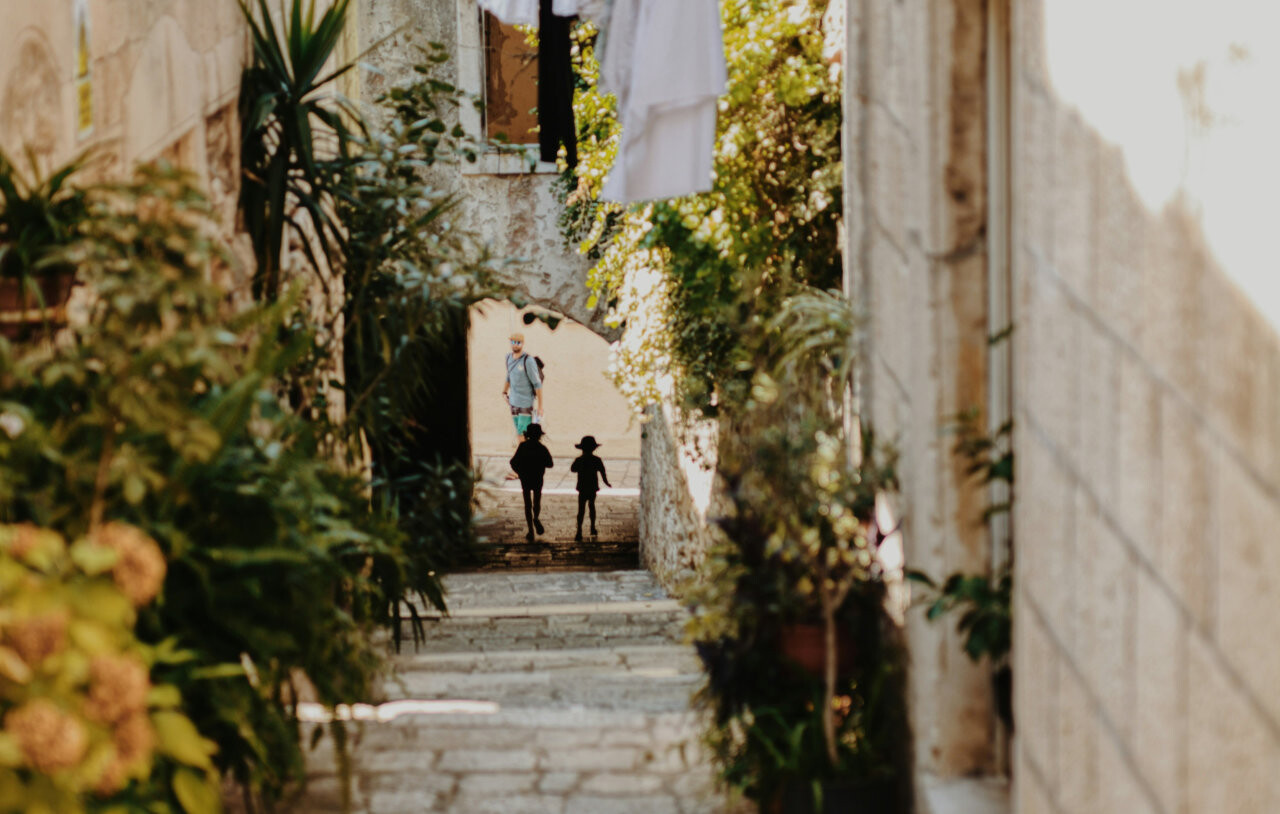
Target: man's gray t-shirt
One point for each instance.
(523, 381)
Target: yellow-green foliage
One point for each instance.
(695, 279)
(84, 729)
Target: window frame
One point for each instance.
(492, 159)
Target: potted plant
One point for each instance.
(800, 553)
(39, 217)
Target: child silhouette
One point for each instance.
(531, 462)
(587, 465)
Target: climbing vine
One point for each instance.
(695, 279)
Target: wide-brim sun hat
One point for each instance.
(534, 431)
(588, 442)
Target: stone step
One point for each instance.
(589, 761)
(472, 591)
(541, 555)
(665, 658)
(484, 634)
(617, 689)
(552, 692)
(504, 544)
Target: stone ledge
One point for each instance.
(515, 161)
(563, 609)
(964, 795)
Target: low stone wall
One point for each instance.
(677, 490)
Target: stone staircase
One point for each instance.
(557, 683)
(558, 693)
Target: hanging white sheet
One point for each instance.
(512, 12)
(665, 62)
(525, 12)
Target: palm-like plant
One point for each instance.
(295, 135)
(37, 214)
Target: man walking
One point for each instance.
(523, 387)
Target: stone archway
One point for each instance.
(579, 400)
(517, 216)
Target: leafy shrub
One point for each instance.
(38, 215)
(725, 260)
(290, 131)
(84, 728)
(800, 546)
(159, 410)
(410, 275)
(357, 194)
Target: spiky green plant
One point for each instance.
(295, 134)
(38, 214)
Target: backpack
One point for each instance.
(542, 376)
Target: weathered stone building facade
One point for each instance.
(130, 81)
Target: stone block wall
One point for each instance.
(1148, 503)
(677, 496)
(915, 212)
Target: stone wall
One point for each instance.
(916, 218)
(1148, 443)
(514, 209)
(131, 81)
(1146, 388)
(676, 497)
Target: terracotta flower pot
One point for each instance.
(21, 313)
(804, 645)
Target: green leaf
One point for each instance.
(164, 695)
(13, 667)
(10, 752)
(218, 671)
(135, 489)
(177, 737)
(92, 637)
(195, 792)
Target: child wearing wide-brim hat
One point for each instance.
(531, 462)
(587, 465)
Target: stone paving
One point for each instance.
(503, 526)
(554, 693)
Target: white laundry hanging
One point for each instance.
(512, 12)
(664, 60)
(525, 12)
(665, 63)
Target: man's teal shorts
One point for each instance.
(522, 422)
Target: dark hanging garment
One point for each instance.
(555, 86)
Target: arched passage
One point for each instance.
(579, 399)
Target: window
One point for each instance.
(510, 83)
(497, 64)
